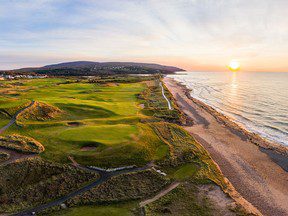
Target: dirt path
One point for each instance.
(160, 194)
(252, 172)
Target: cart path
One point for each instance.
(104, 176)
(163, 93)
(14, 117)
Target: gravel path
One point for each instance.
(160, 194)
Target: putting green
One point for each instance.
(106, 134)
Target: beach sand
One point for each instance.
(260, 178)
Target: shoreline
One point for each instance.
(226, 120)
(254, 166)
(276, 151)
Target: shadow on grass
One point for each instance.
(82, 111)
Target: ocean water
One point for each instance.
(256, 101)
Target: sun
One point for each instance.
(234, 65)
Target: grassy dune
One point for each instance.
(21, 143)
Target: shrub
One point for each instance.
(35, 181)
(4, 156)
(21, 143)
(124, 187)
(40, 112)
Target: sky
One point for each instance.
(192, 34)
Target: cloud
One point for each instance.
(203, 32)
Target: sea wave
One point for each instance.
(257, 106)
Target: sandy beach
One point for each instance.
(255, 167)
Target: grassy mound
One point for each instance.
(21, 143)
(35, 181)
(40, 112)
(11, 106)
(4, 156)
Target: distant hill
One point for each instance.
(89, 68)
(75, 64)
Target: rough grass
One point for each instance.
(4, 156)
(122, 188)
(21, 143)
(35, 181)
(39, 112)
(3, 121)
(156, 105)
(9, 107)
(185, 150)
(183, 200)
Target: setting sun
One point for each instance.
(234, 65)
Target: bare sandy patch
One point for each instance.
(88, 148)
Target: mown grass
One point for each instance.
(105, 134)
(107, 114)
(185, 171)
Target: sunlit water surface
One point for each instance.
(256, 101)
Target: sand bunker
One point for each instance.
(88, 148)
(74, 124)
